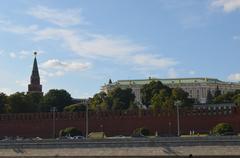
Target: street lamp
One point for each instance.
(86, 119)
(102, 131)
(177, 104)
(53, 110)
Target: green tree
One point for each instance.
(116, 99)
(225, 98)
(229, 97)
(141, 132)
(179, 94)
(151, 89)
(118, 104)
(222, 128)
(237, 92)
(3, 102)
(21, 103)
(157, 102)
(106, 104)
(34, 100)
(209, 97)
(236, 99)
(159, 99)
(75, 108)
(56, 98)
(121, 98)
(70, 131)
(217, 92)
(99, 101)
(133, 107)
(168, 104)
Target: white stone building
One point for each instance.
(197, 88)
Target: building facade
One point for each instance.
(197, 88)
(35, 86)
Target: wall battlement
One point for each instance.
(116, 114)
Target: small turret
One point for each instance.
(110, 81)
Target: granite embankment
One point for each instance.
(143, 147)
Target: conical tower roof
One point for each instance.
(35, 72)
(35, 86)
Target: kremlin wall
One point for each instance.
(116, 123)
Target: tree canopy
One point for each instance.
(21, 102)
(230, 97)
(160, 97)
(217, 92)
(3, 102)
(151, 89)
(155, 95)
(70, 131)
(56, 98)
(236, 99)
(209, 97)
(117, 99)
(222, 128)
(75, 108)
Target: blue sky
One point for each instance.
(83, 43)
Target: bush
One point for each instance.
(141, 132)
(222, 129)
(70, 131)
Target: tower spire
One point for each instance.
(35, 72)
(35, 86)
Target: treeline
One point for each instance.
(155, 96)
(34, 102)
(218, 97)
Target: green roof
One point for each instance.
(168, 81)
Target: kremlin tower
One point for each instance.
(35, 86)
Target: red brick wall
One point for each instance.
(41, 124)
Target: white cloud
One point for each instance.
(1, 52)
(12, 55)
(236, 37)
(66, 66)
(22, 83)
(151, 61)
(62, 18)
(55, 67)
(105, 46)
(23, 54)
(227, 5)
(100, 46)
(96, 46)
(49, 73)
(18, 29)
(91, 45)
(234, 77)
